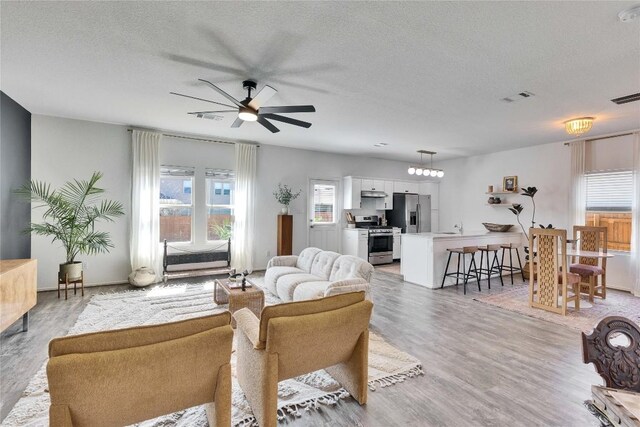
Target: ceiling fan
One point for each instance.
(251, 109)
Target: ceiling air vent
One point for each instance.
(518, 96)
(627, 99)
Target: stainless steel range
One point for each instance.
(380, 248)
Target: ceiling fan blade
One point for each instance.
(212, 112)
(223, 93)
(237, 123)
(266, 123)
(287, 120)
(289, 109)
(201, 99)
(261, 97)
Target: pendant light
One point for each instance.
(425, 171)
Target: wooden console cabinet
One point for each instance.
(18, 291)
(285, 235)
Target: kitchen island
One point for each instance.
(424, 255)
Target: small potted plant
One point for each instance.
(284, 195)
(70, 218)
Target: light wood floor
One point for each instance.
(484, 366)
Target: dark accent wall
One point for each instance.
(15, 170)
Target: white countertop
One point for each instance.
(470, 233)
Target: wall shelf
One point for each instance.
(501, 192)
(501, 205)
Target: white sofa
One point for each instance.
(315, 274)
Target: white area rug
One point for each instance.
(387, 365)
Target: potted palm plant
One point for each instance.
(71, 214)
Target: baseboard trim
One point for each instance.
(86, 285)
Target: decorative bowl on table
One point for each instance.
(499, 228)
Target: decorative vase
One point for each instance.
(143, 276)
(491, 200)
(497, 200)
(284, 210)
(73, 270)
(490, 189)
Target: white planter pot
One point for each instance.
(284, 210)
(72, 270)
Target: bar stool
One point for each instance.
(510, 268)
(495, 263)
(465, 274)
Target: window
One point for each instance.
(324, 204)
(176, 204)
(220, 195)
(609, 196)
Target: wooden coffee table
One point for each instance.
(252, 298)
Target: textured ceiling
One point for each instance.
(426, 75)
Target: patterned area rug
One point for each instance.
(618, 303)
(387, 365)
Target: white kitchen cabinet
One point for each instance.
(388, 188)
(397, 242)
(372, 184)
(355, 241)
(432, 189)
(435, 220)
(406, 187)
(387, 202)
(351, 188)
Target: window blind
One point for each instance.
(176, 171)
(609, 191)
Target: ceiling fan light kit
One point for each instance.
(579, 126)
(422, 171)
(251, 108)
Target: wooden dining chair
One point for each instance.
(589, 269)
(549, 287)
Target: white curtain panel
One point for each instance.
(578, 183)
(635, 219)
(244, 208)
(145, 203)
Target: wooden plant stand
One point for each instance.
(66, 282)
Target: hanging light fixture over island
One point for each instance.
(426, 171)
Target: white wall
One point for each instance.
(295, 168)
(64, 149)
(547, 167)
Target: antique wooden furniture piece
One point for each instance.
(464, 273)
(614, 348)
(183, 257)
(66, 281)
(551, 287)
(18, 291)
(618, 407)
(590, 269)
(285, 235)
(297, 338)
(125, 376)
(252, 297)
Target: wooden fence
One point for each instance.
(618, 228)
(177, 228)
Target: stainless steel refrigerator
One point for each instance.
(411, 212)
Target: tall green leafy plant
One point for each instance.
(71, 214)
(284, 195)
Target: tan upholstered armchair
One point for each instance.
(124, 376)
(296, 338)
